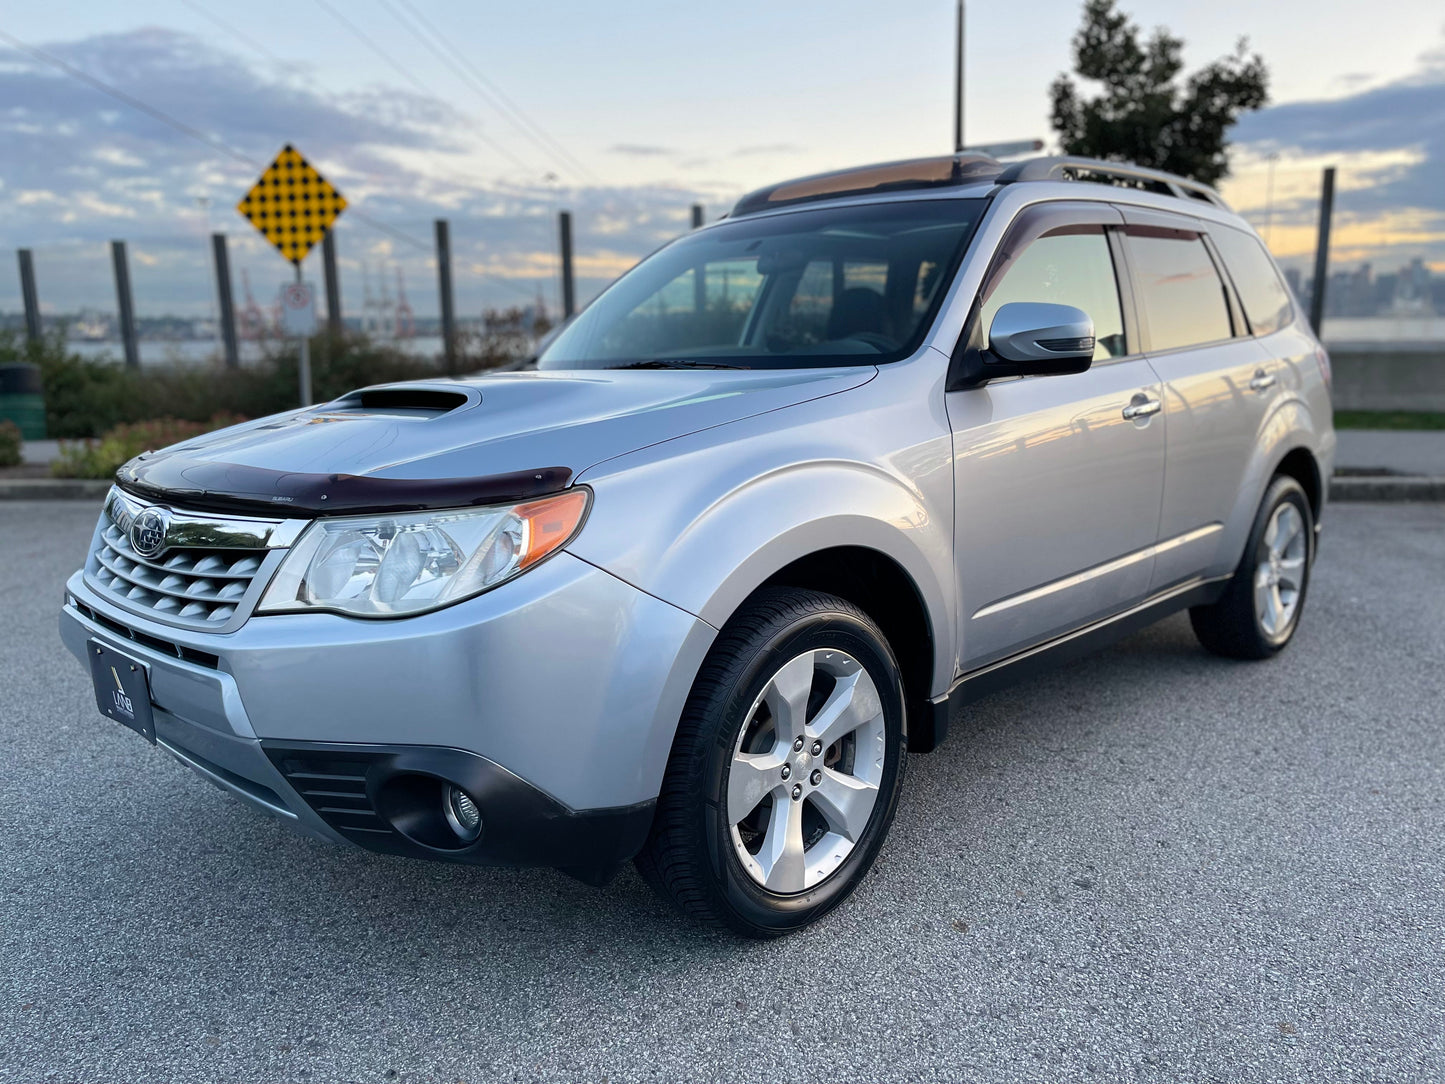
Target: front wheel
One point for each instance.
(1260, 608)
(786, 769)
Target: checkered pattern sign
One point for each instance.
(292, 204)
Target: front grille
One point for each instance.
(202, 578)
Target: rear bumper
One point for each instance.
(556, 698)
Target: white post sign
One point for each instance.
(298, 309)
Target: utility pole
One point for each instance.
(569, 297)
(333, 283)
(444, 288)
(125, 305)
(958, 86)
(223, 296)
(1322, 251)
(1269, 195)
(697, 216)
(31, 298)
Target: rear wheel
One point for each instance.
(1260, 609)
(786, 768)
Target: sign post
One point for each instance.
(298, 317)
(294, 206)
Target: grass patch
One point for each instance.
(1389, 419)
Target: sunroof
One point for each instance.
(914, 173)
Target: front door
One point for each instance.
(1058, 478)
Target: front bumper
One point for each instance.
(556, 696)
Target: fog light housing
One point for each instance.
(462, 814)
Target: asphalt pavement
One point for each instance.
(1153, 865)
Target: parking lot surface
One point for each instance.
(1151, 865)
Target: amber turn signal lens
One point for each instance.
(550, 523)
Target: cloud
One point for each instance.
(640, 150)
(767, 149)
(81, 168)
(1404, 115)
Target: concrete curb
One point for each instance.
(1386, 487)
(1381, 487)
(53, 489)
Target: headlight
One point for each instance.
(410, 562)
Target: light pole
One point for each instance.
(958, 86)
(1269, 196)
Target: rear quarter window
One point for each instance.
(1264, 296)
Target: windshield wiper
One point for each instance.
(677, 363)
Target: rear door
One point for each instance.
(1218, 385)
(1057, 488)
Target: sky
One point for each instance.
(495, 116)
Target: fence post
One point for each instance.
(569, 297)
(696, 215)
(1322, 251)
(333, 283)
(124, 304)
(444, 288)
(225, 303)
(31, 298)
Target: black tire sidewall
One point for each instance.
(1284, 490)
(748, 903)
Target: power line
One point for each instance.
(181, 126)
(213, 142)
(487, 90)
(407, 74)
(243, 38)
(134, 102)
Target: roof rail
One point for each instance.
(912, 173)
(1069, 168)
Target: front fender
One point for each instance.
(703, 521)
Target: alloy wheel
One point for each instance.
(805, 772)
(1280, 574)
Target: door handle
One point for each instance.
(1262, 381)
(1143, 409)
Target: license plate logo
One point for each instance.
(122, 691)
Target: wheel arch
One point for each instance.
(881, 588)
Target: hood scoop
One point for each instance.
(405, 400)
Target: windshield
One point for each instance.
(835, 286)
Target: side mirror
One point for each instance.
(1032, 338)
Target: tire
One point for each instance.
(787, 655)
(1260, 609)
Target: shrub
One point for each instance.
(101, 458)
(88, 397)
(9, 443)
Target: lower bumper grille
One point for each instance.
(334, 786)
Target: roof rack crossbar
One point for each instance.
(1068, 166)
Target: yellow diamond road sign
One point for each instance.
(292, 204)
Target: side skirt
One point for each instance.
(989, 679)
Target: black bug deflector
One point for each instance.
(206, 485)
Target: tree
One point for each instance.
(1143, 114)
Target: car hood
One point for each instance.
(456, 442)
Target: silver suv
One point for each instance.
(766, 515)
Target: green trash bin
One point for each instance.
(22, 398)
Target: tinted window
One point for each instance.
(831, 286)
(1266, 301)
(1180, 294)
(1073, 268)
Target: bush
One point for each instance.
(102, 458)
(9, 443)
(85, 398)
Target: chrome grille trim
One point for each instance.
(206, 576)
